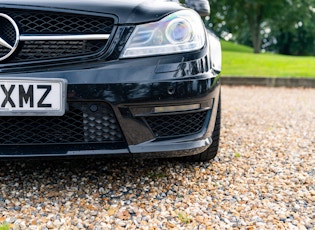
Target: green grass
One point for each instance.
(229, 46)
(240, 61)
(184, 218)
(4, 226)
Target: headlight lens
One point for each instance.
(181, 31)
(216, 53)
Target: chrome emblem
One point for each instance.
(9, 36)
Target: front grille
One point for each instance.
(84, 123)
(41, 50)
(38, 23)
(177, 125)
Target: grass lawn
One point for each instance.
(240, 60)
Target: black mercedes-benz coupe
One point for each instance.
(115, 77)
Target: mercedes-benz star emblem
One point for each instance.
(9, 36)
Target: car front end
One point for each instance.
(115, 78)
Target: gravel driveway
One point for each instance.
(263, 177)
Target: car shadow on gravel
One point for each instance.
(110, 181)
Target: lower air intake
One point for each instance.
(84, 123)
(177, 125)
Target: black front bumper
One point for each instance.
(130, 90)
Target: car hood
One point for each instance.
(126, 11)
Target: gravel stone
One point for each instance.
(262, 178)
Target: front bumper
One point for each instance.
(132, 89)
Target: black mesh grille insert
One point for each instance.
(177, 125)
(40, 22)
(39, 50)
(53, 23)
(84, 123)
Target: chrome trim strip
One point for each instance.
(64, 37)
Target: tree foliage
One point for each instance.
(284, 26)
(294, 30)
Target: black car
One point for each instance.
(137, 78)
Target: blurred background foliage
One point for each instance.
(277, 26)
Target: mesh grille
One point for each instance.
(39, 50)
(38, 22)
(177, 125)
(84, 123)
(52, 23)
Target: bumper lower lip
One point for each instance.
(170, 148)
(147, 150)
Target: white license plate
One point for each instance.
(32, 97)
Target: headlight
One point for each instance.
(216, 53)
(179, 32)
